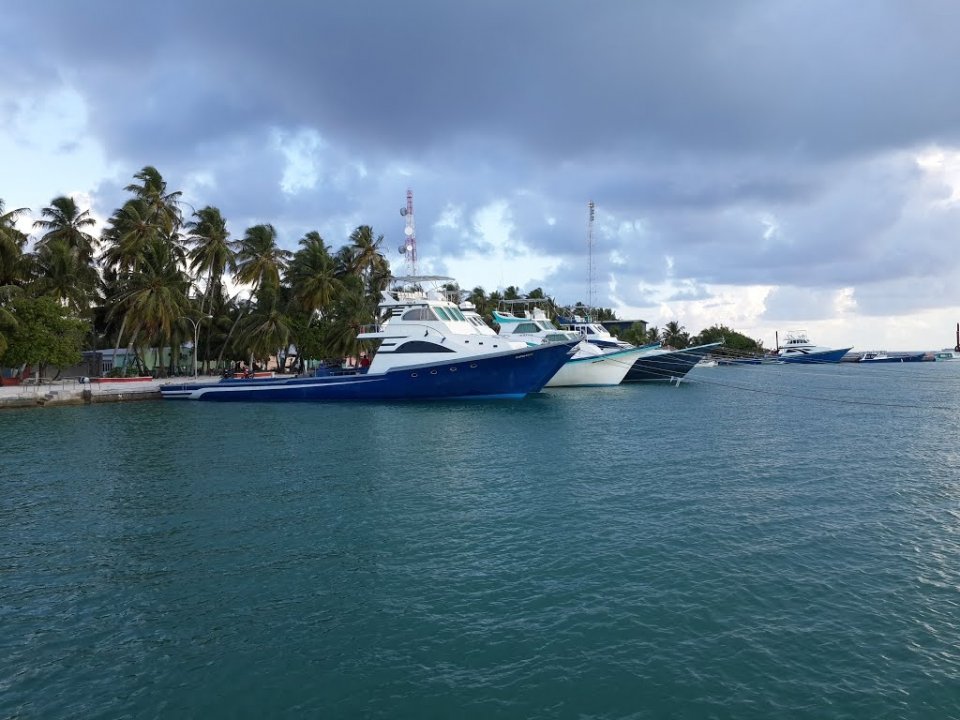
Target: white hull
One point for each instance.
(607, 369)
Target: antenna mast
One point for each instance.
(590, 255)
(409, 247)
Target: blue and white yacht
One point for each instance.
(427, 349)
(797, 348)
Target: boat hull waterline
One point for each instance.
(508, 374)
(597, 370)
(815, 358)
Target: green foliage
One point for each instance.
(675, 335)
(44, 334)
(731, 339)
(635, 335)
(156, 271)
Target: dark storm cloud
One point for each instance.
(736, 139)
(568, 78)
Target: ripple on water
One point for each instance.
(632, 552)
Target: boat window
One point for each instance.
(455, 314)
(442, 313)
(419, 313)
(421, 346)
(527, 328)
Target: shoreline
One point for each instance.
(70, 392)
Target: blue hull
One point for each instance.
(816, 358)
(917, 357)
(667, 366)
(511, 374)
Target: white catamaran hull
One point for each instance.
(607, 369)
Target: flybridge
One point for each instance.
(410, 290)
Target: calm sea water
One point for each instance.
(765, 542)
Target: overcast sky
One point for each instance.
(770, 165)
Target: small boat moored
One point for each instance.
(883, 357)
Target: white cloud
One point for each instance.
(47, 152)
(504, 260)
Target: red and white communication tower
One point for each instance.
(409, 247)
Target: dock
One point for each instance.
(72, 391)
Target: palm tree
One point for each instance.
(267, 329)
(13, 269)
(128, 235)
(344, 261)
(163, 208)
(260, 261)
(63, 222)
(365, 251)
(351, 312)
(60, 272)
(7, 322)
(154, 299)
(213, 253)
(313, 275)
(478, 297)
(675, 335)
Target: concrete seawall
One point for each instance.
(71, 392)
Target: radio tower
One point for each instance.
(409, 247)
(590, 258)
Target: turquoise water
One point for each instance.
(764, 542)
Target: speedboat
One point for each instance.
(667, 365)
(590, 365)
(797, 348)
(883, 357)
(426, 350)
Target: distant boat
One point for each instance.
(427, 350)
(948, 355)
(797, 348)
(882, 357)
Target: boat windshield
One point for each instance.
(419, 313)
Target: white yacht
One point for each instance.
(591, 365)
(427, 349)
